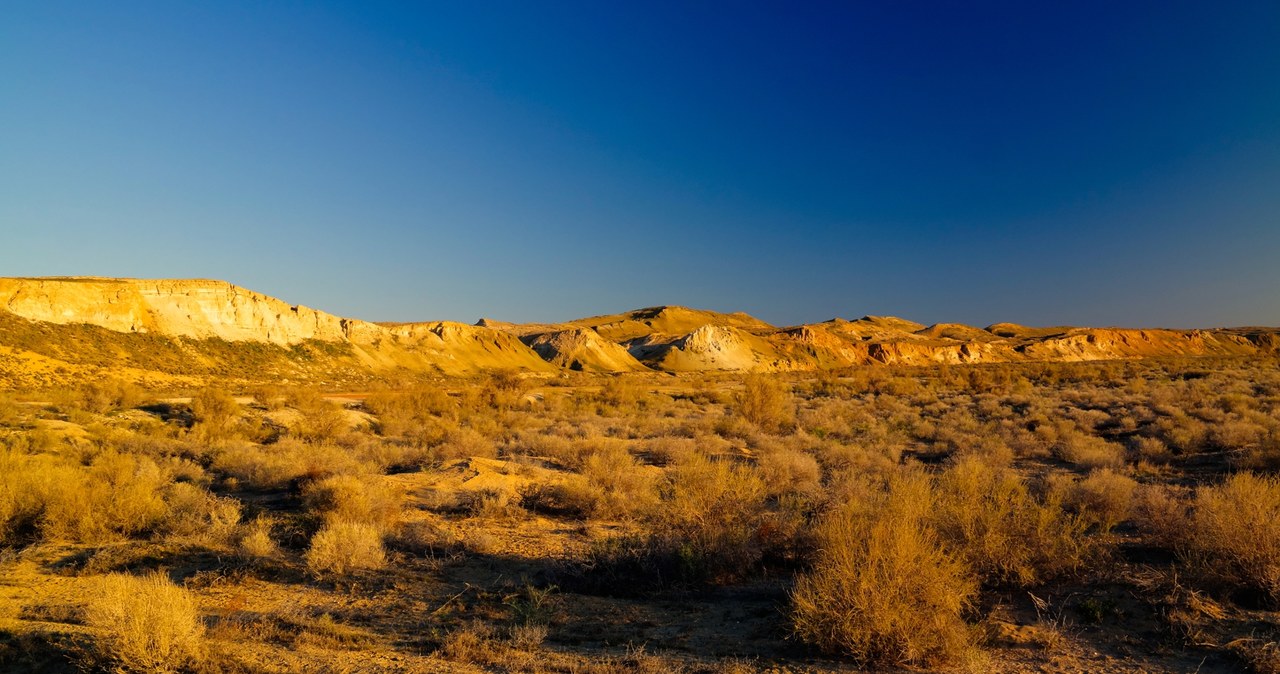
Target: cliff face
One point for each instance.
(202, 310)
(198, 309)
(45, 325)
(583, 349)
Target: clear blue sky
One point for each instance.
(1043, 163)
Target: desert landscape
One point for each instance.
(195, 477)
(579, 337)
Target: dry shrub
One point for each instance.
(424, 539)
(766, 402)
(145, 624)
(712, 516)
(1152, 450)
(275, 466)
(216, 414)
(1088, 451)
(990, 519)
(463, 443)
(573, 497)
(407, 412)
(367, 499)
(26, 484)
(625, 486)
(1234, 534)
(788, 471)
(319, 420)
(1105, 498)
(1161, 514)
(883, 590)
(105, 395)
(666, 449)
(340, 548)
(10, 412)
(194, 512)
(255, 541)
(118, 494)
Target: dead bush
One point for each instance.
(1234, 534)
(1088, 451)
(255, 542)
(144, 624)
(366, 499)
(625, 487)
(195, 513)
(766, 402)
(340, 548)
(1105, 498)
(990, 519)
(216, 414)
(883, 589)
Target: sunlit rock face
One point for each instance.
(177, 308)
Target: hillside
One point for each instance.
(53, 330)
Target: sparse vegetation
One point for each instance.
(919, 516)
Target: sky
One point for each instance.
(1086, 163)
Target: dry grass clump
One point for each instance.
(712, 514)
(625, 486)
(255, 542)
(103, 396)
(367, 499)
(145, 624)
(1088, 451)
(991, 519)
(1105, 497)
(341, 547)
(196, 513)
(1234, 534)
(216, 415)
(409, 413)
(118, 494)
(277, 465)
(766, 402)
(789, 471)
(884, 590)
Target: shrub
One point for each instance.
(1088, 451)
(625, 486)
(116, 494)
(1105, 498)
(342, 547)
(883, 590)
(194, 512)
(145, 624)
(369, 499)
(106, 395)
(255, 541)
(215, 413)
(1234, 534)
(766, 402)
(991, 520)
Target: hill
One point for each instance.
(184, 331)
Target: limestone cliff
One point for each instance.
(178, 308)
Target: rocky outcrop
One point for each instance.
(583, 350)
(209, 314)
(203, 310)
(196, 308)
(714, 347)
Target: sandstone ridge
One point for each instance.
(174, 328)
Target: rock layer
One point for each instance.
(669, 338)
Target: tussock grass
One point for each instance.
(144, 624)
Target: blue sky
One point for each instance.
(1042, 163)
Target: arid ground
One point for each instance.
(1068, 517)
